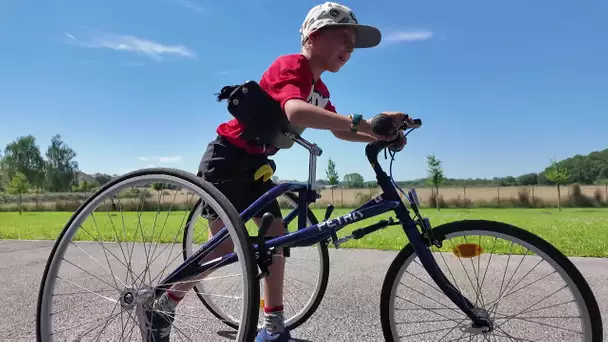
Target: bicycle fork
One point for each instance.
(478, 315)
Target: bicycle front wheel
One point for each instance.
(527, 287)
(100, 278)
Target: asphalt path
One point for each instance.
(349, 311)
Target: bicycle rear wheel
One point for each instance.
(306, 275)
(569, 315)
(79, 302)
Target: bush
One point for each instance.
(460, 203)
(362, 198)
(433, 201)
(523, 200)
(597, 194)
(578, 199)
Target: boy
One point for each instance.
(329, 34)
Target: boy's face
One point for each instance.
(333, 47)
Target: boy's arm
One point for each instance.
(304, 114)
(354, 137)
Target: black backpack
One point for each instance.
(261, 116)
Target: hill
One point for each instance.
(591, 168)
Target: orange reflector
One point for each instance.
(468, 250)
(262, 304)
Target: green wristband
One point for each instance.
(356, 119)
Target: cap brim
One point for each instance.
(367, 36)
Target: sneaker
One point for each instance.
(264, 335)
(160, 318)
(274, 326)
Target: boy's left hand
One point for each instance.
(400, 144)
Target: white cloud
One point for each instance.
(172, 159)
(189, 4)
(131, 44)
(163, 160)
(408, 36)
(132, 64)
(69, 36)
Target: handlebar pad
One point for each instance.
(382, 124)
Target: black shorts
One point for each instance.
(231, 170)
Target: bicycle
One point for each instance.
(482, 319)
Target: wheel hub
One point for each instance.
(484, 325)
(129, 297)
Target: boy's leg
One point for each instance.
(215, 167)
(273, 283)
(274, 321)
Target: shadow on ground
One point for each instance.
(232, 336)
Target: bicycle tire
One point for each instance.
(312, 305)
(251, 312)
(580, 284)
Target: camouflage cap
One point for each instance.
(334, 14)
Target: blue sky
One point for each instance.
(501, 86)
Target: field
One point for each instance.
(576, 232)
(454, 197)
(496, 196)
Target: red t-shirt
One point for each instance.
(288, 77)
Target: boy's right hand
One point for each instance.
(398, 118)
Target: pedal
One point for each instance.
(264, 255)
(328, 211)
(333, 235)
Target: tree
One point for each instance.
(157, 186)
(332, 176)
(603, 176)
(23, 155)
(61, 169)
(3, 174)
(354, 180)
(436, 176)
(558, 175)
(18, 186)
(528, 179)
(85, 186)
(102, 178)
(332, 173)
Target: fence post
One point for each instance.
(533, 199)
(606, 191)
(498, 191)
(569, 198)
(342, 197)
(464, 189)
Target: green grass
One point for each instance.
(576, 232)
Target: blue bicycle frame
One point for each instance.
(388, 200)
